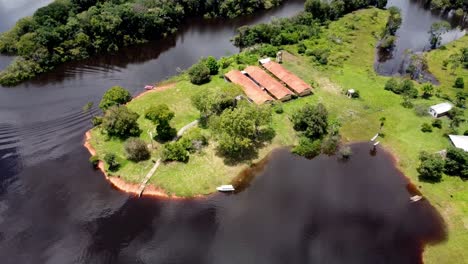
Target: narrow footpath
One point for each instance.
(148, 176)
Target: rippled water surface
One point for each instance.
(55, 209)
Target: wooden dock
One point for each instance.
(148, 176)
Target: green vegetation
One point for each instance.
(431, 167)
(161, 116)
(111, 160)
(459, 83)
(175, 151)
(94, 160)
(312, 121)
(120, 122)
(393, 23)
(114, 96)
(350, 43)
(456, 163)
(136, 150)
(67, 30)
(242, 130)
(436, 31)
(308, 148)
(459, 5)
(199, 73)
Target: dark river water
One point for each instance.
(413, 33)
(55, 209)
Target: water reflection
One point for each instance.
(413, 34)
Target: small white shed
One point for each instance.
(439, 110)
(460, 142)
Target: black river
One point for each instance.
(55, 209)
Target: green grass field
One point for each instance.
(350, 66)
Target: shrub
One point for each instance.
(457, 163)
(459, 83)
(408, 89)
(392, 85)
(407, 102)
(96, 121)
(136, 150)
(158, 113)
(420, 110)
(431, 167)
(301, 48)
(278, 108)
(120, 122)
(426, 128)
(268, 50)
(174, 151)
(212, 65)
(161, 115)
(194, 140)
(312, 120)
(330, 144)
(94, 160)
(428, 90)
(320, 55)
(307, 148)
(115, 96)
(437, 123)
(345, 152)
(111, 161)
(199, 74)
(388, 42)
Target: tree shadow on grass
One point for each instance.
(248, 155)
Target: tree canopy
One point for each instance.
(120, 122)
(136, 150)
(161, 116)
(456, 163)
(68, 30)
(311, 120)
(115, 96)
(240, 130)
(431, 167)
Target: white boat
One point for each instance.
(149, 87)
(416, 198)
(225, 188)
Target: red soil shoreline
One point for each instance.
(132, 188)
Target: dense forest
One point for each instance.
(303, 26)
(68, 30)
(460, 5)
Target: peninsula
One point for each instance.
(350, 103)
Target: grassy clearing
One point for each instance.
(351, 41)
(180, 179)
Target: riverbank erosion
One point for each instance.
(350, 44)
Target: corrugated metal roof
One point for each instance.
(442, 108)
(253, 91)
(272, 85)
(460, 141)
(294, 82)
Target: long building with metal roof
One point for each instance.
(251, 89)
(273, 86)
(292, 81)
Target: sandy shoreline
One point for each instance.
(132, 188)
